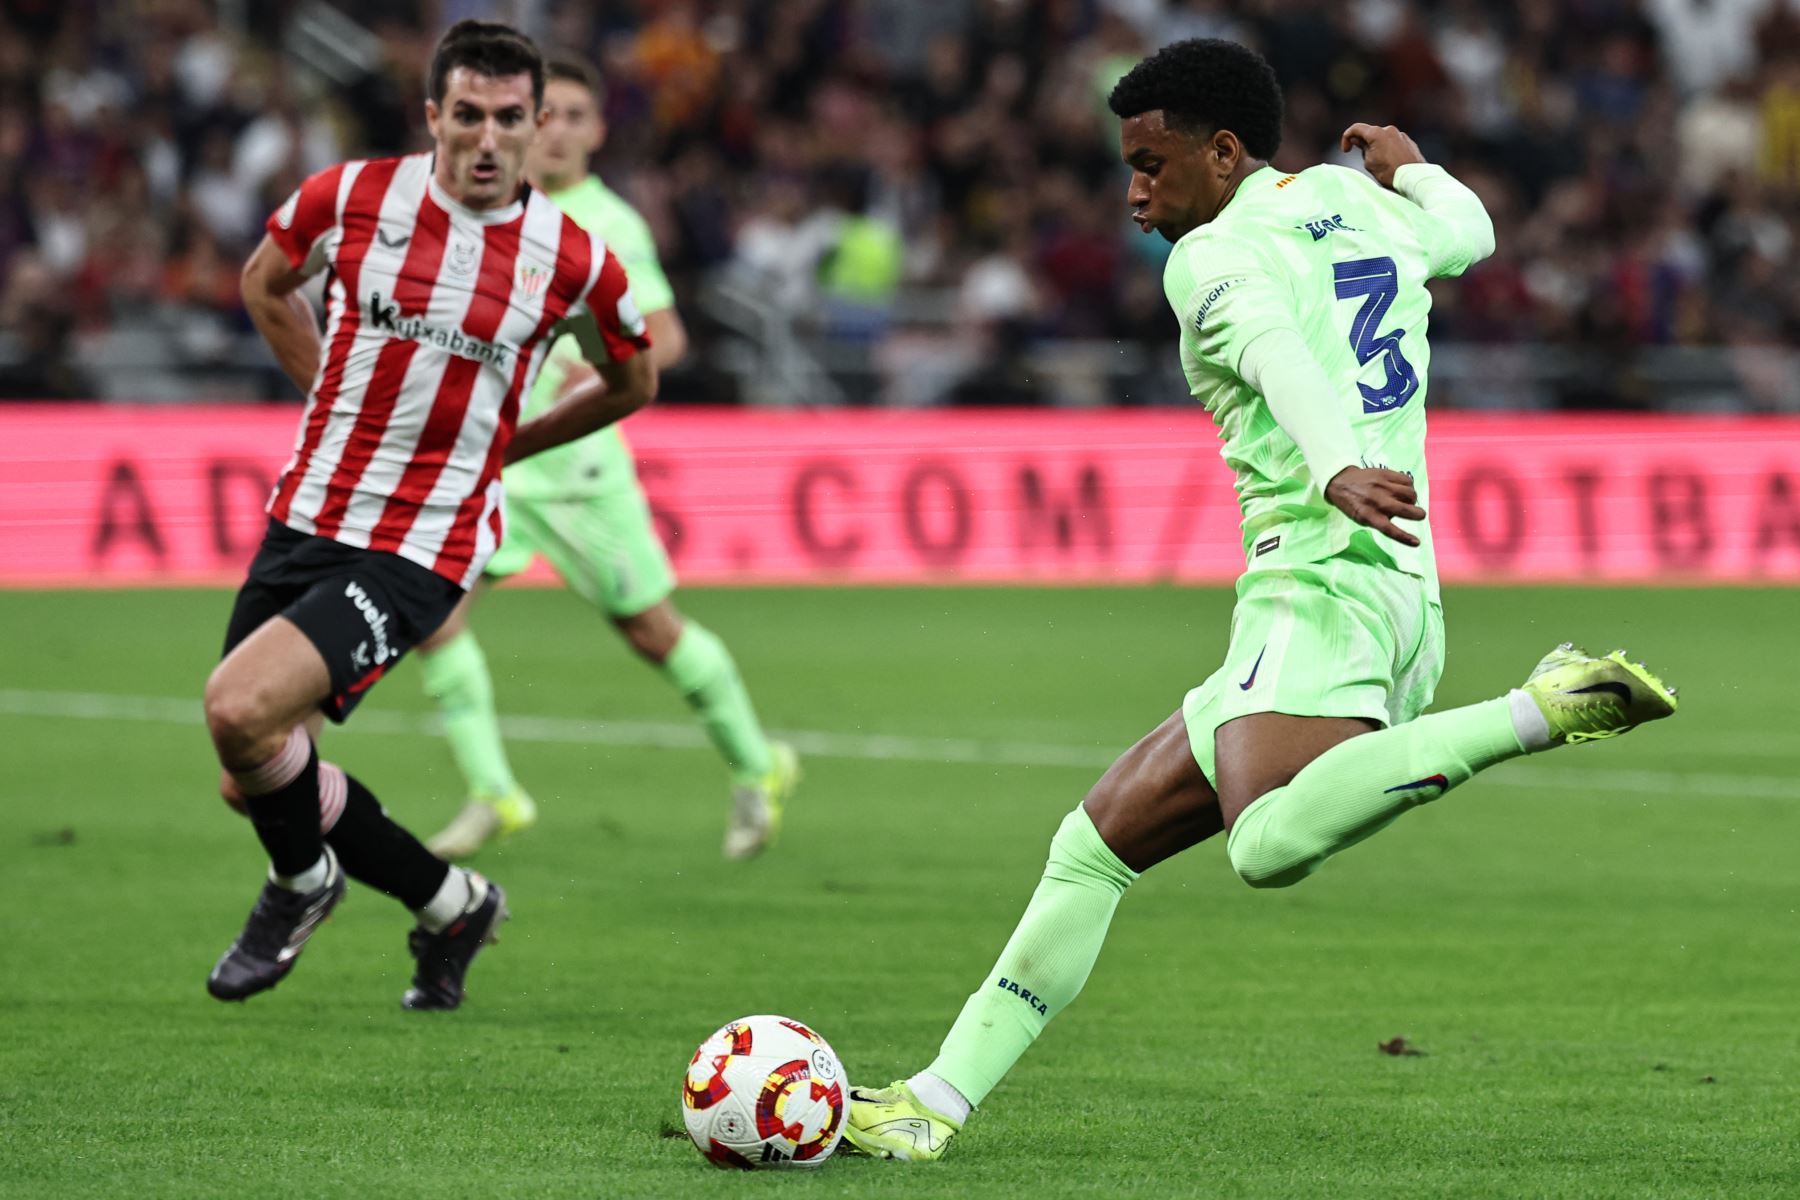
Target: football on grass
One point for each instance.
(764, 1092)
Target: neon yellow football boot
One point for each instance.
(891, 1122)
(481, 820)
(1585, 699)
(756, 808)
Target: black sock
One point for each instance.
(287, 820)
(374, 849)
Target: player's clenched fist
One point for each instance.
(1385, 150)
(1374, 496)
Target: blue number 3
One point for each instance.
(1378, 281)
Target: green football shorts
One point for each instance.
(1345, 637)
(604, 546)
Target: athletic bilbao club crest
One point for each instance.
(530, 280)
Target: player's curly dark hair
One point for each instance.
(487, 48)
(1207, 84)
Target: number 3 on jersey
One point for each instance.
(1377, 280)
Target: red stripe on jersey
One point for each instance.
(412, 295)
(487, 308)
(574, 267)
(296, 225)
(574, 259)
(603, 301)
(359, 219)
(458, 551)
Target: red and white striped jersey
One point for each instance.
(437, 320)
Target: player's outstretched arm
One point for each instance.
(614, 392)
(1457, 230)
(270, 288)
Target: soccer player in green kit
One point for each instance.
(581, 506)
(1303, 308)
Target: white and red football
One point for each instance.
(765, 1092)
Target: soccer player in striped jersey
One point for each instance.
(1303, 305)
(447, 278)
(581, 507)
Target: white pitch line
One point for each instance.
(169, 710)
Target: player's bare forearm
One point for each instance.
(287, 324)
(1376, 496)
(668, 337)
(270, 288)
(1385, 150)
(614, 392)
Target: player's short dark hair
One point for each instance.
(1205, 85)
(578, 70)
(486, 48)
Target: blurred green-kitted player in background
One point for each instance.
(581, 507)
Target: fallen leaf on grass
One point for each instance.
(1400, 1048)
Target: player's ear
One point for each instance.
(431, 116)
(1226, 150)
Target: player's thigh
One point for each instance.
(1264, 751)
(1153, 802)
(606, 549)
(1301, 647)
(365, 616)
(1416, 684)
(265, 686)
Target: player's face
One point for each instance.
(571, 132)
(1178, 179)
(483, 130)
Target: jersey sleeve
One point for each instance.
(1452, 225)
(606, 322)
(300, 225)
(1226, 295)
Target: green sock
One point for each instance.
(1044, 964)
(702, 670)
(1359, 787)
(456, 676)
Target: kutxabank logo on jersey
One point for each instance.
(385, 315)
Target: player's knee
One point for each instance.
(229, 715)
(236, 720)
(1262, 875)
(1266, 859)
(232, 794)
(652, 634)
(1266, 855)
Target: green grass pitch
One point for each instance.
(1596, 950)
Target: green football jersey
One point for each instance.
(1334, 257)
(601, 461)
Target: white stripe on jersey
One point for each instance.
(540, 229)
(377, 274)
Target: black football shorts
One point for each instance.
(363, 609)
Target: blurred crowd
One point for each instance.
(870, 169)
